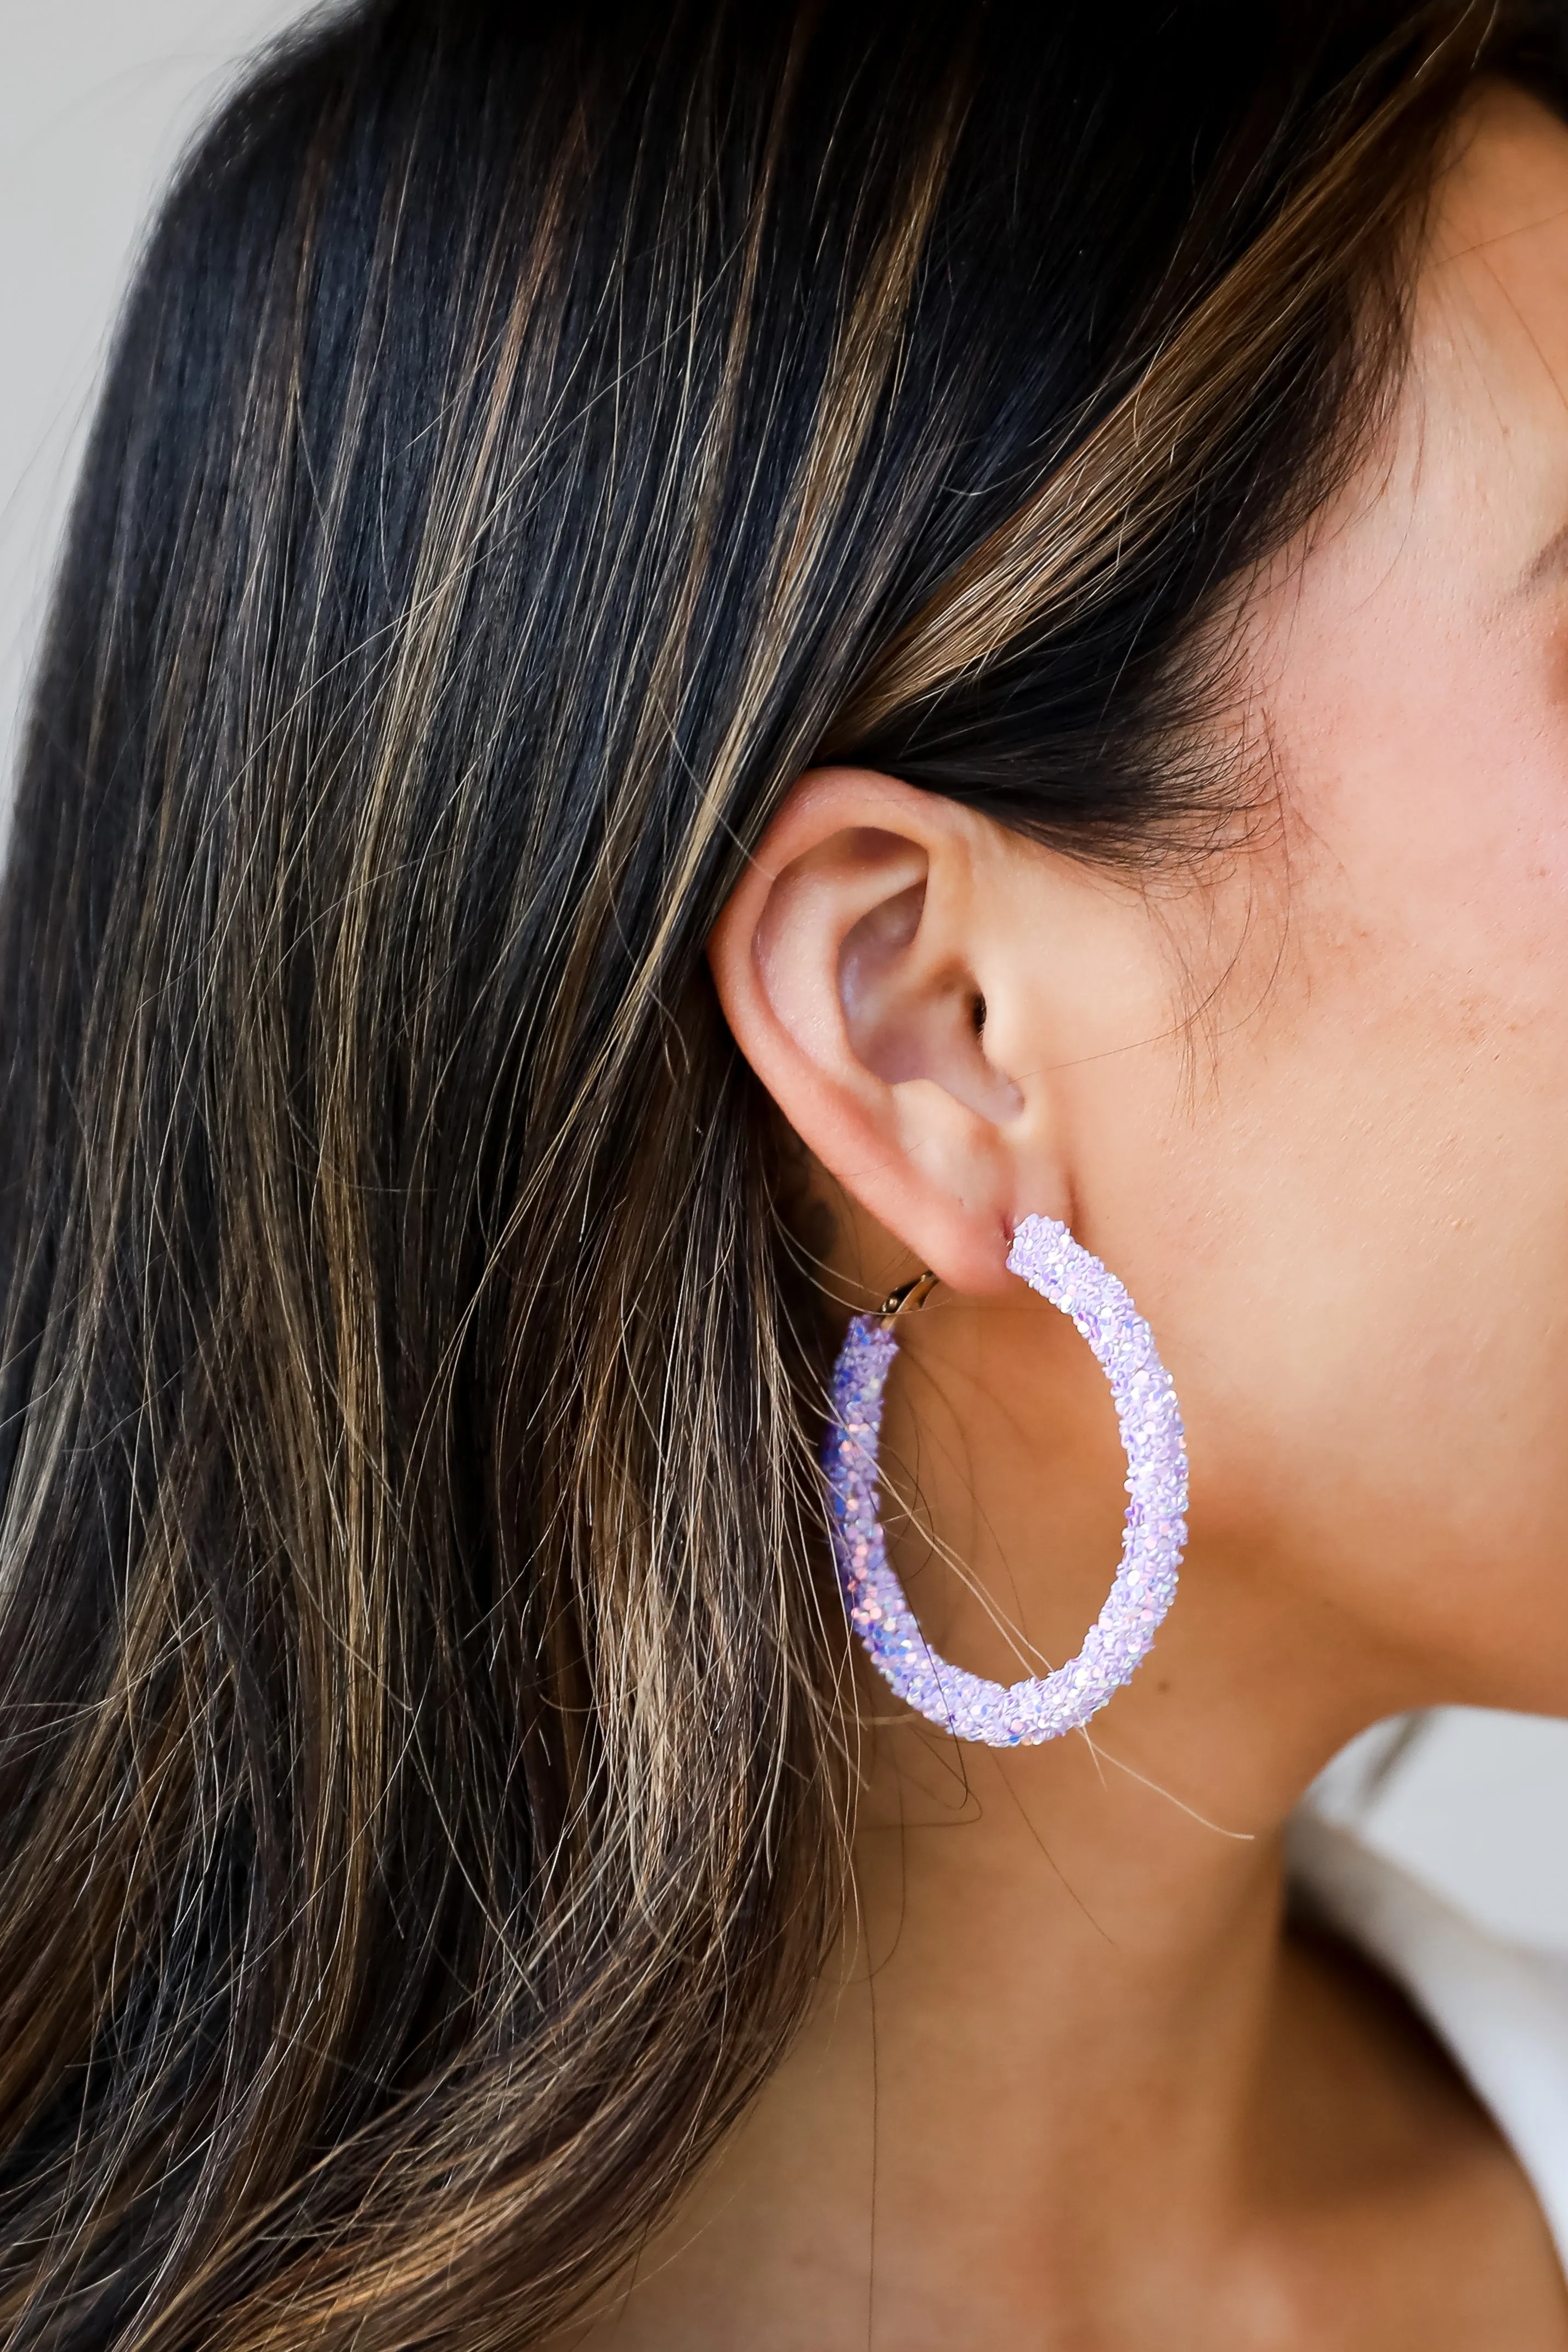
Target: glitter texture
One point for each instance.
(1020, 1714)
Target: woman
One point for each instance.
(710, 657)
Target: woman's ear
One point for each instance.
(869, 965)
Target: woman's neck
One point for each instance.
(1068, 2084)
(1068, 2081)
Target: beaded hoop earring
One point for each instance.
(1024, 1713)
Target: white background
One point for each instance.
(97, 100)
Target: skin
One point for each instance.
(1072, 2081)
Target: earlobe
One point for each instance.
(856, 963)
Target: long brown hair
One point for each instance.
(535, 433)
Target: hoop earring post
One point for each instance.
(909, 1296)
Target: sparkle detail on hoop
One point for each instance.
(1024, 1713)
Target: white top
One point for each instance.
(1500, 2009)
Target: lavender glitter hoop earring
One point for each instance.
(1019, 1713)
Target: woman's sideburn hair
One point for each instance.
(535, 433)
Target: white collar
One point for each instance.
(1500, 2009)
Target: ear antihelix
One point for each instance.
(1039, 1707)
